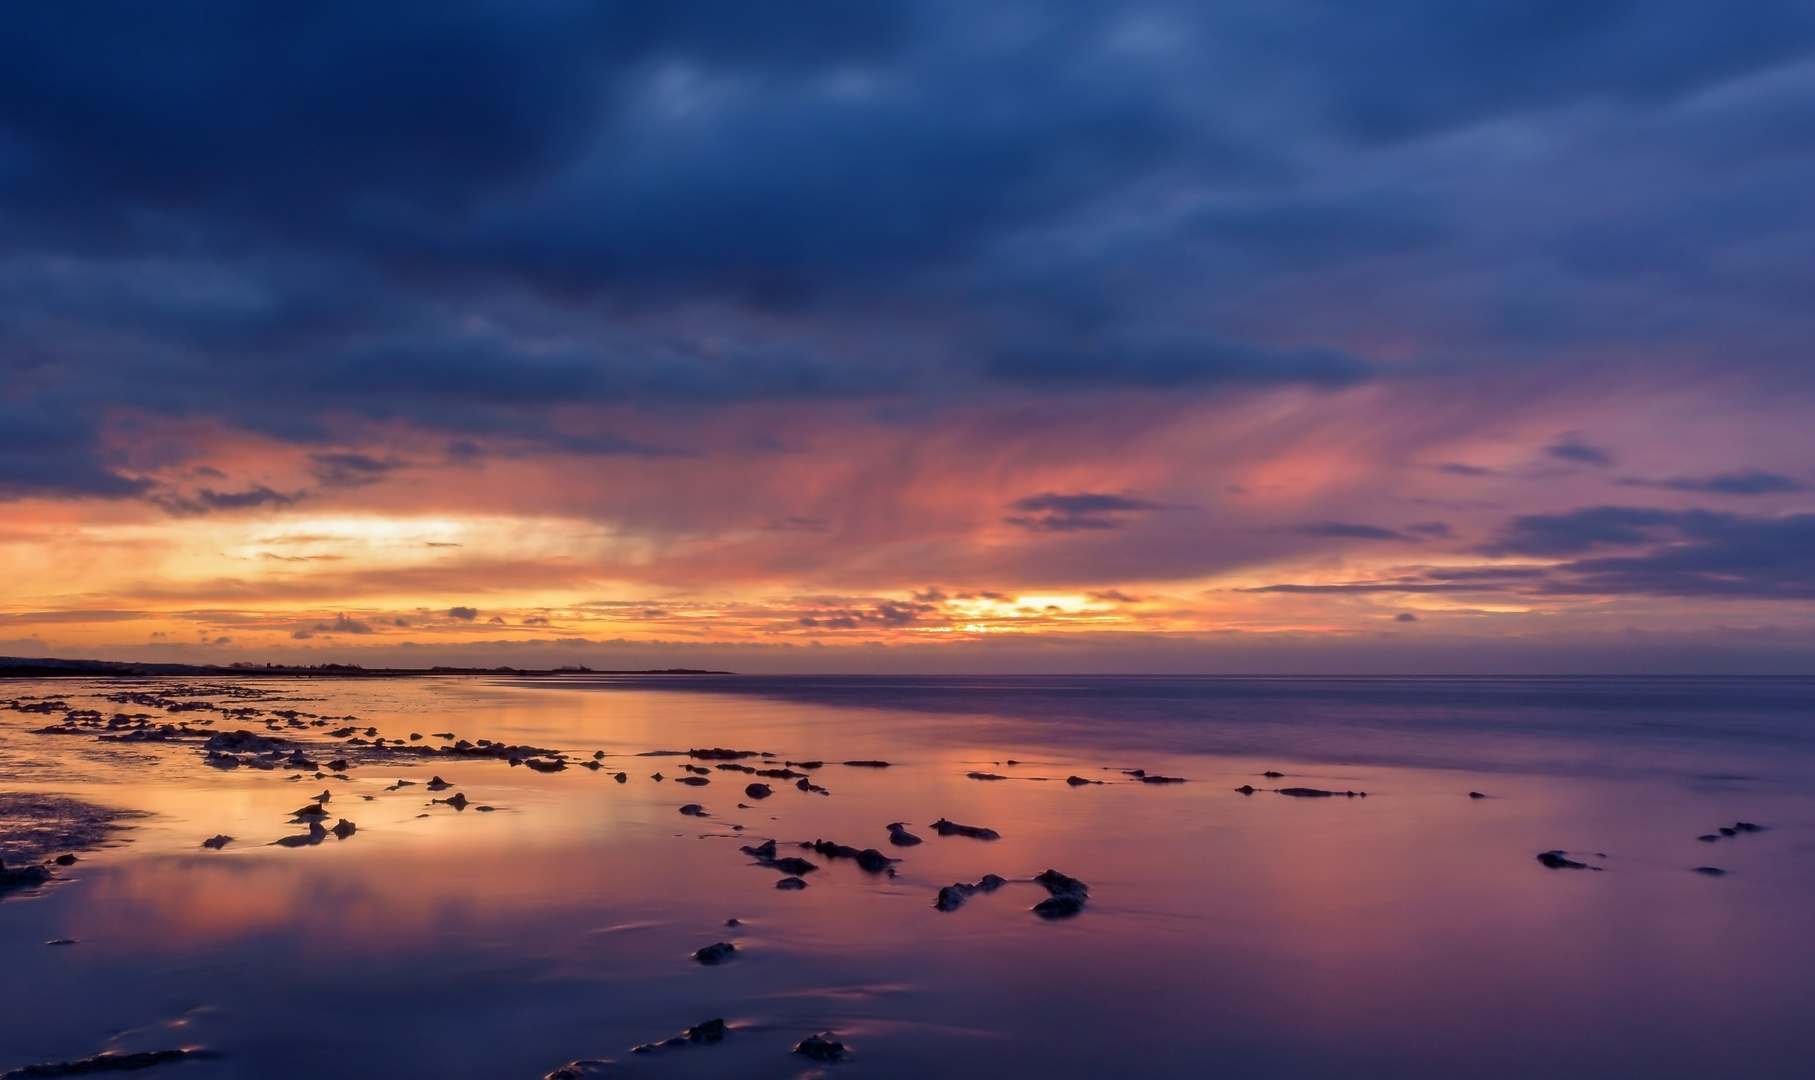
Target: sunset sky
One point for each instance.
(1267, 335)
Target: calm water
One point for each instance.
(1408, 934)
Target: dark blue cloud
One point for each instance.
(1744, 482)
(466, 215)
(1572, 449)
(1052, 512)
(1347, 531)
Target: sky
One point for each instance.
(862, 335)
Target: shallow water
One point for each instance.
(1407, 934)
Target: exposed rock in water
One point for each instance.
(810, 787)
(709, 1031)
(657, 777)
(975, 832)
(805, 764)
(953, 896)
(23, 877)
(899, 836)
(869, 858)
(693, 781)
(65, 860)
(1711, 871)
(1076, 781)
(578, 1070)
(1271, 775)
(545, 766)
(763, 852)
(869, 764)
(794, 865)
(315, 835)
(620, 777)
(215, 843)
(819, 1048)
(1068, 895)
(732, 766)
(716, 953)
(457, 800)
(311, 810)
(1317, 793)
(719, 753)
(758, 791)
(985, 776)
(1556, 861)
(1157, 779)
(435, 784)
(108, 1062)
(694, 809)
(344, 829)
(1476, 795)
(1246, 789)
(789, 884)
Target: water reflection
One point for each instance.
(1407, 934)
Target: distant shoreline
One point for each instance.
(20, 667)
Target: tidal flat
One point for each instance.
(590, 888)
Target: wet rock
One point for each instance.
(869, 764)
(1271, 775)
(733, 922)
(707, 1032)
(697, 769)
(763, 852)
(315, 835)
(23, 877)
(215, 843)
(719, 753)
(457, 800)
(1136, 773)
(1317, 793)
(819, 1048)
(436, 784)
(694, 809)
(1157, 779)
(338, 765)
(899, 836)
(311, 810)
(810, 787)
(344, 829)
(868, 859)
(484, 809)
(805, 764)
(975, 832)
(779, 774)
(789, 884)
(63, 941)
(1556, 861)
(442, 734)
(1246, 789)
(65, 860)
(1711, 871)
(794, 865)
(693, 781)
(733, 766)
(620, 777)
(1068, 895)
(953, 896)
(758, 791)
(657, 777)
(109, 1062)
(593, 765)
(985, 776)
(578, 1070)
(1476, 795)
(1078, 781)
(716, 953)
(545, 766)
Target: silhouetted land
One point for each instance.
(21, 667)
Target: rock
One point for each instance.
(338, 765)
(1271, 775)
(108, 1062)
(819, 1048)
(311, 810)
(763, 852)
(694, 809)
(484, 809)
(1556, 861)
(710, 1031)
(215, 843)
(620, 777)
(593, 765)
(1156, 779)
(985, 776)
(758, 791)
(23, 877)
(1246, 789)
(657, 777)
(63, 941)
(1711, 871)
(436, 784)
(810, 787)
(794, 866)
(778, 774)
(697, 769)
(719, 753)
(1317, 793)
(873, 861)
(1476, 795)
(899, 836)
(693, 781)
(975, 832)
(457, 800)
(315, 835)
(789, 884)
(733, 922)
(953, 896)
(805, 764)
(345, 829)
(869, 764)
(65, 860)
(716, 953)
(578, 1070)
(1076, 781)
(545, 766)
(1067, 899)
